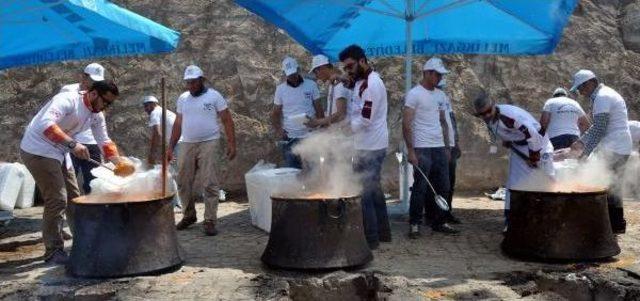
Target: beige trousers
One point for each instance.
(57, 186)
(196, 174)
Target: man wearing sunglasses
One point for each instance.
(47, 140)
(93, 72)
(371, 138)
(519, 131)
(609, 136)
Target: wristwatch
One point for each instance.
(71, 144)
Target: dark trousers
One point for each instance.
(453, 164)
(85, 167)
(563, 141)
(614, 197)
(374, 209)
(291, 159)
(433, 162)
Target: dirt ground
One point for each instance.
(468, 266)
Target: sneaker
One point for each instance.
(66, 235)
(414, 231)
(445, 228)
(185, 223)
(454, 220)
(210, 228)
(58, 257)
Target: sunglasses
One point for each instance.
(348, 67)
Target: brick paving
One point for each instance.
(227, 266)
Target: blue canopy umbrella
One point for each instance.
(405, 28)
(42, 31)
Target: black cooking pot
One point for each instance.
(560, 226)
(117, 235)
(316, 233)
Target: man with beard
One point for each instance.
(198, 110)
(93, 72)
(43, 149)
(371, 138)
(609, 135)
(426, 134)
(295, 101)
(338, 96)
(519, 131)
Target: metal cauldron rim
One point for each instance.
(121, 198)
(557, 193)
(308, 198)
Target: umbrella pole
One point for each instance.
(408, 79)
(163, 127)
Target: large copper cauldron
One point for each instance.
(122, 235)
(560, 226)
(316, 233)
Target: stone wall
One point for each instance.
(241, 56)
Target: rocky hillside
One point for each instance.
(241, 55)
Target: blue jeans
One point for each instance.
(85, 167)
(291, 159)
(563, 141)
(374, 209)
(433, 162)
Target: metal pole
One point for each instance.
(408, 80)
(163, 126)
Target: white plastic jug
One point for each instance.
(10, 183)
(28, 189)
(260, 185)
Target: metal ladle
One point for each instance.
(440, 201)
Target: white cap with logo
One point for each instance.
(436, 65)
(95, 71)
(319, 60)
(580, 78)
(289, 66)
(193, 72)
(149, 98)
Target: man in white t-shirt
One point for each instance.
(563, 119)
(634, 129)
(426, 133)
(295, 101)
(152, 108)
(338, 96)
(92, 73)
(368, 121)
(454, 142)
(196, 123)
(609, 136)
(530, 151)
(47, 140)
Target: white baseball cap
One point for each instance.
(149, 98)
(319, 60)
(95, 71)
(193, 72)
(289, 66)
(436, 65)
(560, 92)
(580, 78)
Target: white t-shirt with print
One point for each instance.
(155, 118)
(617, 138)
(86, 136)
(448, 110)
(369, 114)
(564, 113)
(427, 131)
(69, 112)
(200, 115)
(336, 92)
(296, 101)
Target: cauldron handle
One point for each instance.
(342, 209)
